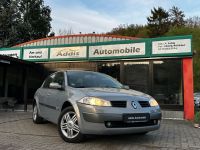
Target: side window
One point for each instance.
(48, 81)
(59, 78)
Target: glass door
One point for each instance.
(167, 82)
(136, 75)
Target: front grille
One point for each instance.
(118, 104)
(121, 124)
(144, 103)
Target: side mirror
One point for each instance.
(54, 85)
(126, 87)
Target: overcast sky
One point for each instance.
(101, 16)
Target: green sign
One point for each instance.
(118, 50)
(68, 53)
(171, 46)
(177, 46)
(12, 52)
(36, 54)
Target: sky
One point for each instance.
(101, 16)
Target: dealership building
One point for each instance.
(161, 67)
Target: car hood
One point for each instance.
(115, 94)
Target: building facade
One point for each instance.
(160, 67)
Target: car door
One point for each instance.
(56, 97)
(44, 93)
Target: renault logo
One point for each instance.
(134, 105)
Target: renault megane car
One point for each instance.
(85, 102)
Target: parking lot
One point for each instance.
(17, 132)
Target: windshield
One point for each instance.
(86, 79)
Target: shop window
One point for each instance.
(167, 82)
(136, 75)
(161, 79)
(110, 68)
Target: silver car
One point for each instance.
(84, 102)
(197, 99)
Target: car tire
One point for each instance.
(36, 118)
(68, 127)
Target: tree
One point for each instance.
(65, 31)
(9, 19)
(143, 33)
(36, 18)
(195, 32)
(129, 30)
(158, 22)
(176, 17)
(23, 20)
(120, 30)
(193, 22)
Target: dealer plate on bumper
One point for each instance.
(139, 117)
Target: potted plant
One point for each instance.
(197, 119)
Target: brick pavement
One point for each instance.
(17, 132)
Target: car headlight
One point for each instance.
(153, 102)
(94, 101)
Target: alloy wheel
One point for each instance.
(69, 125)
(35, 112)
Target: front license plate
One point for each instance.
(139, 117)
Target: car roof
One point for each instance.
(74, 71)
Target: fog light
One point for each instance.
(155, 121)
(108, 124)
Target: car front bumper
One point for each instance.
(109, 120)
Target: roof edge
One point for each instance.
(76, 35)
